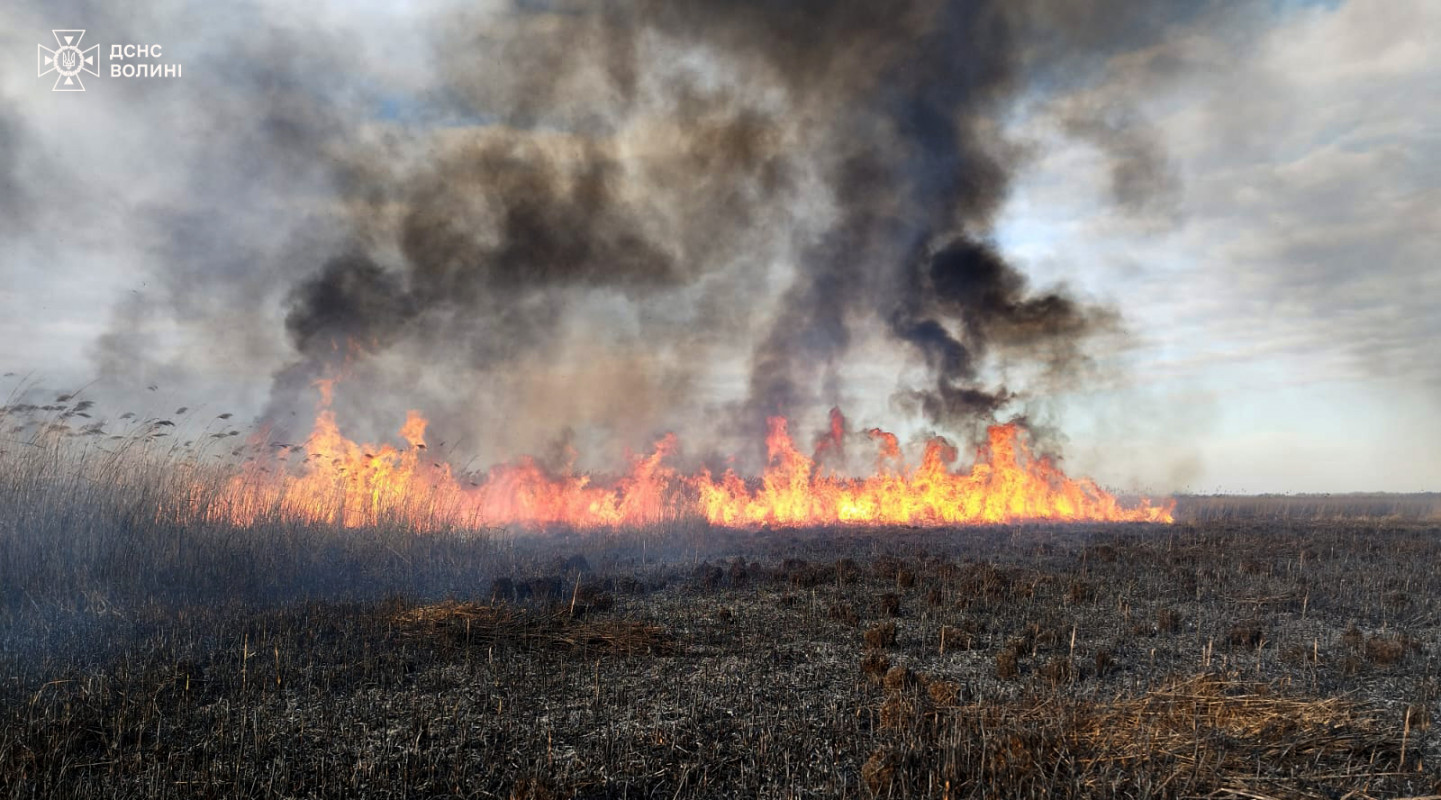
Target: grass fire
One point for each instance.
(1250, 647)
(331, 479)
(865, 399)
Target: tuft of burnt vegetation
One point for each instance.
(881, 635)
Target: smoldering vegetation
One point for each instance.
(1254, 655)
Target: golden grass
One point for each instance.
(1274, 727)
(1240, 738)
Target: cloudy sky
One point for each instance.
(1242, 200)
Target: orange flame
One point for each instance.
(1007, 484)
(341, 482)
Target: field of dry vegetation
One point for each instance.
(1255, 649)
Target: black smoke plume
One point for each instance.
(592, 214)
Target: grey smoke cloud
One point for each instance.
(551, 215)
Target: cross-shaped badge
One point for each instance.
(68, 60)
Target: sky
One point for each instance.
(1251, 188)
(1288, 290)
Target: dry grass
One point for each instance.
(1390, 649)
(1008, 664)
(489, 625)
(1209, 733)
(1310, 507)
(881, 635)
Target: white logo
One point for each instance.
(67, 60)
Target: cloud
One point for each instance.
(1298, 251)
(1310, 197)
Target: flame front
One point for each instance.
(1007, 484)
(341, 482)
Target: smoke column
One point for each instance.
(603, 221)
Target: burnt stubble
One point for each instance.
(1228, 655)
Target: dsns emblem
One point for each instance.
(67, 60)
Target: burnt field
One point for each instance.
(1240, 654)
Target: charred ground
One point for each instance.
(1237, 654)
